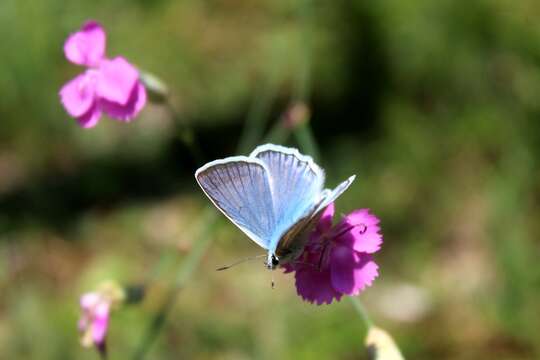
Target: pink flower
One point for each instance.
(111, 86)
(96, 307)
(337, 259)
(94, 321)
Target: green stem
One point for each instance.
(303, 82)
(306, 140)
(158, 92)
(183, 276)
(278, 134)
(303, 133)
(185, 132)
(361, 310)
(255, 121)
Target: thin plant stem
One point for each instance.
(253, 125)
(166, 261)
(306, 140)
(159, 93)
(303, 133)
(185, 132)
(361, 310)
(183, 276)
(258, 113)
(278, 134)
(303, 82)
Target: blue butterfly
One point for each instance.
(275, 196)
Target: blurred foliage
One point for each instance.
(433, 104)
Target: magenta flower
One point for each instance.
(111, 86)
(337, 259)
(94, 321)
(96, 307)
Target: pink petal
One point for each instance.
(351, 271)
(288, 268)
(322, 228)
(117, 79)
(100, 323)
(87, 46)
(315, 286)
(360, 231)
(78, 95)
(91, 118)
(89, 300)
(325, 222)
(127, 112)
(308, 259)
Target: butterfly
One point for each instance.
(275, 196)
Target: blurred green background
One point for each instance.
(433, 104)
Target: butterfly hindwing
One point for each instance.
(332, 195)
(295, 238)
(296, 183)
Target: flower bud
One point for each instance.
(381, 346)
(155, 87)
(296, 115)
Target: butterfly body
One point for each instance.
(275, 196)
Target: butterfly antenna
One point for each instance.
(240, 261)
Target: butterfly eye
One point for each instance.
(275, 261)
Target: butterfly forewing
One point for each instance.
(296, 183)
(292, 242)
(240, 188)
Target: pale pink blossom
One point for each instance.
(94, 321)
(110, 86)
(96, 307)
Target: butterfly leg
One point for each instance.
(272, 261)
